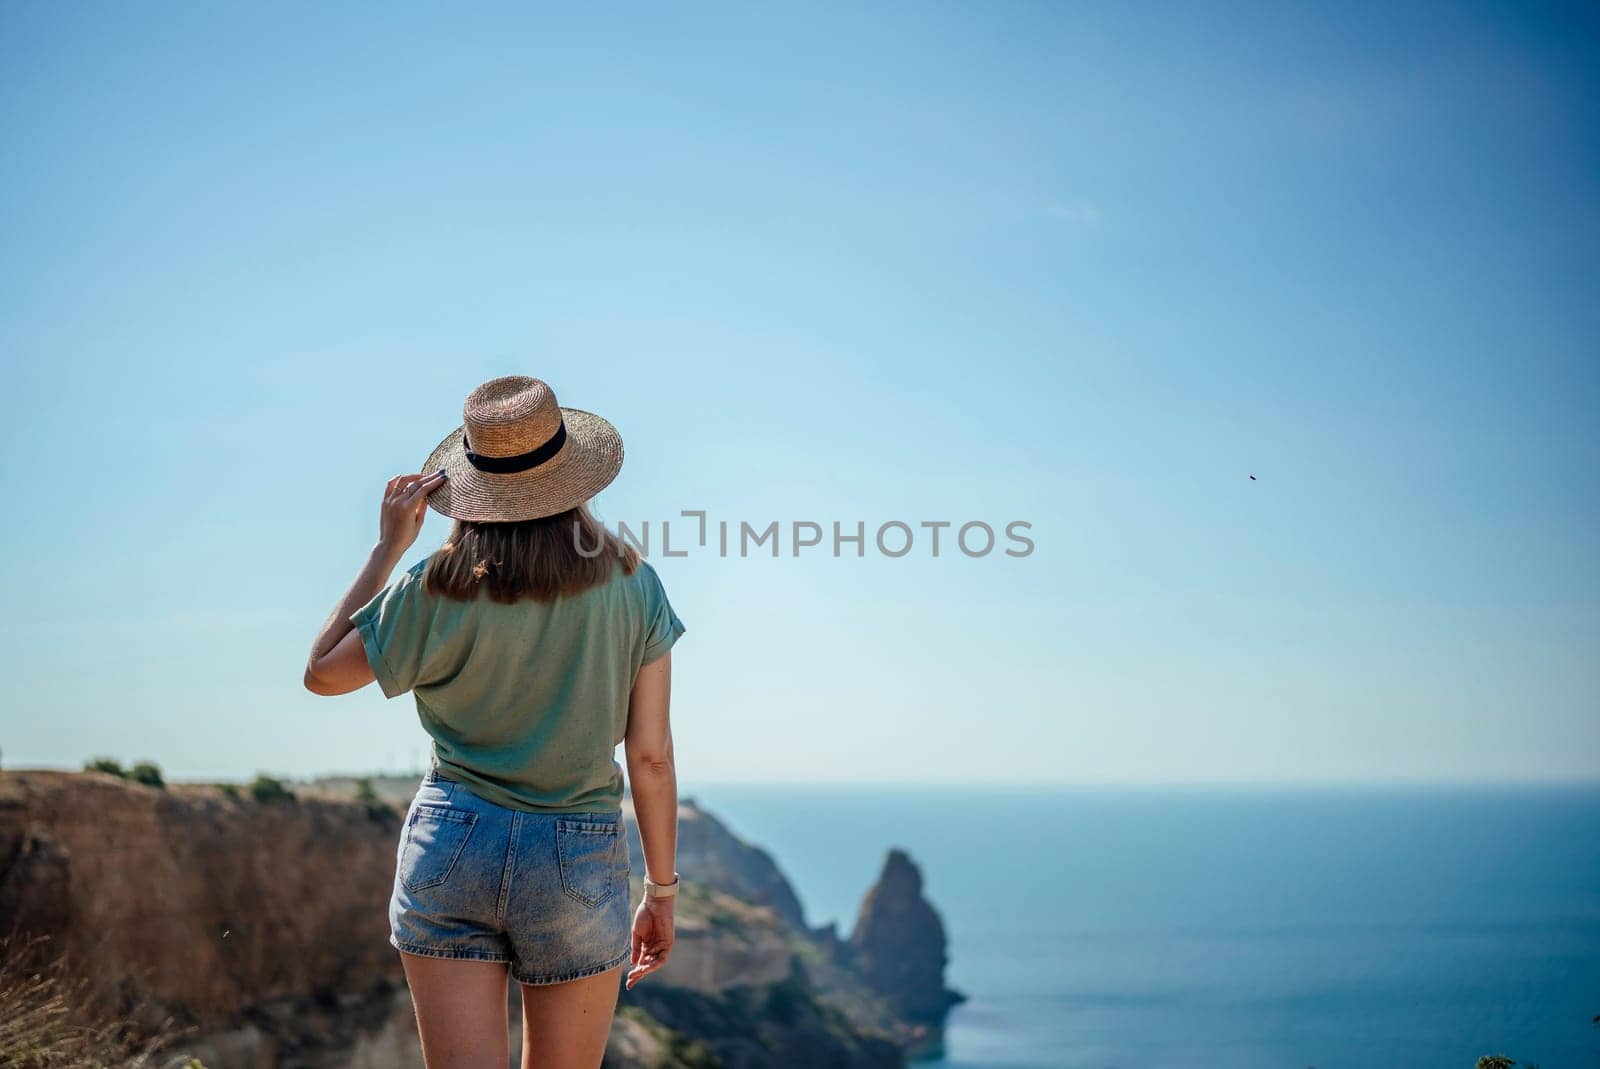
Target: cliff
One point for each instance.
(720, 859)
(221, 913)
(898, 947)
(260, 929)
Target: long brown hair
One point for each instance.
(542, 559)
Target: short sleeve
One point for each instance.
(394, 628)
(662, 627)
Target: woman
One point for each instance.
(533, 642)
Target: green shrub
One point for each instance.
(265, 788)
(725, 921)
(147, 773)
(368, 797)
(106, 764)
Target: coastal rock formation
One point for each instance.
(898, 946)
(717, 858)
(257, 929)
(723, 942)
(769, 1026)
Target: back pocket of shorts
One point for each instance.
(435, 838)
(587, 852)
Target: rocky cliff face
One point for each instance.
(898, 947)
(261, 928)
(749, 985)
(213, 911)
(720, 859)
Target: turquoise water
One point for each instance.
(1143, 929)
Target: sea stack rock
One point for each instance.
(898, 946)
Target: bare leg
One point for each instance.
(461, 1011)
(564, 1026)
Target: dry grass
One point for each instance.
(42, 1023)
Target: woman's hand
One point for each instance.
(652, 938)
(405, 500)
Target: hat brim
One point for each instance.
(587, 463)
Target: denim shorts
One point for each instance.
(546, 893)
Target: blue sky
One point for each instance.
(1085, 267)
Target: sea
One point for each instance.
(1251, 927)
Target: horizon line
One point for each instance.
(686, 789)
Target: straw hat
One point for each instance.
(518, 455)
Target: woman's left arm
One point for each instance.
(338, 662)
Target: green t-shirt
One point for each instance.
(526, 703)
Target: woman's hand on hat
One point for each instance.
(405, 503)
